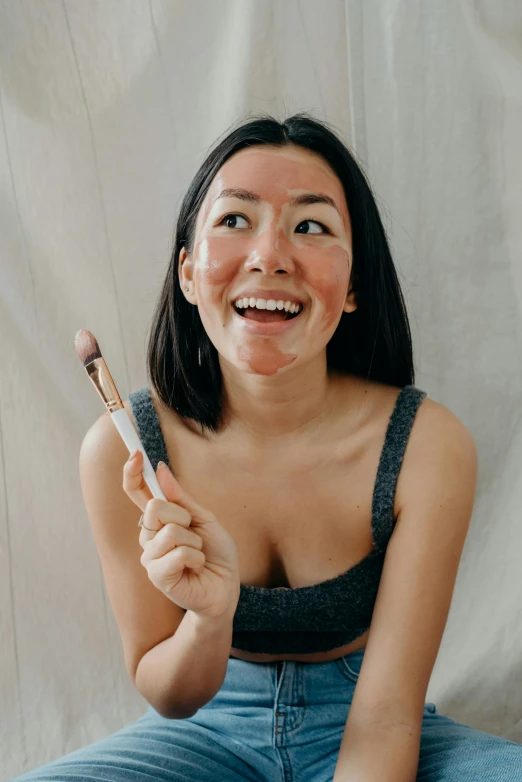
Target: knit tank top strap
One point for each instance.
(397, 434)
(148, 426)
(392, 454)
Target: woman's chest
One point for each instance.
(295, 521)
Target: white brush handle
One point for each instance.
(129, 436)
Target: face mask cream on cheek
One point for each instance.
(328, 276)
(218, 260)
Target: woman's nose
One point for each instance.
(272, 252)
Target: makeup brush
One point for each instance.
(90, 355)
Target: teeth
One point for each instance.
(268, 304)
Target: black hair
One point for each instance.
(373, 341)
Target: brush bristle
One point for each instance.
(86, 346)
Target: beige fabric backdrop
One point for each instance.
(107, 108)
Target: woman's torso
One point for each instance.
(300, 513)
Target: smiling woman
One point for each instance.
(288, 201)
(294, 222)
(317, 502)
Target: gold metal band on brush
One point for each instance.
(98, 372)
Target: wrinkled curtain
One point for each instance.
(107, 108)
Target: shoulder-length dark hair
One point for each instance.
(373, 342)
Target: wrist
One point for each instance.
(225, 612)
(213, 622)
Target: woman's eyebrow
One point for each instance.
(304, 198)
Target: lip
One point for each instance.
(265, 329)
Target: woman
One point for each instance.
(282, 610)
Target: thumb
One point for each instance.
(174, 493)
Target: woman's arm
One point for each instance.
(378, 753)
(438, 481)
(176, 660)
(184, 672)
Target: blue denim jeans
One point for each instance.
(274, 722)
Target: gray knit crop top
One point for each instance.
(322, 616)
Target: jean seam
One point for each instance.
(350, 674)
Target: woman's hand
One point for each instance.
(188, 555)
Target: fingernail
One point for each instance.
(161, 464)
(133, 455)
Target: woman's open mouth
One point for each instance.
(268, 315)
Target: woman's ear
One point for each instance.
(186, 276)
(350, 303)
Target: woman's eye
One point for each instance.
(324, 229)
(304, 227)
(231, 220)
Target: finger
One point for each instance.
(134, 483)
(146, 536)
(159, 512)
(166, 512)
(174, 493)
(168, 538)
(174, 562)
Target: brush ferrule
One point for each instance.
(98, 372)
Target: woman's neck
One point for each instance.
(266, 410)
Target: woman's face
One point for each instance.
(257, 237)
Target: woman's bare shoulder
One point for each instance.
(437, 435)
(369, 400)
(169, 419)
